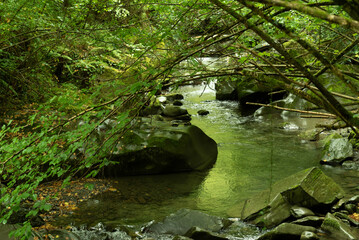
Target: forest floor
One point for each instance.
(64, 200)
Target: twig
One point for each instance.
(314, 116)
(293, 110)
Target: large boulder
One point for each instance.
(183, 220)
(226, 90)
(156, 147)
(310, 188)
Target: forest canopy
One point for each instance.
(91, 60)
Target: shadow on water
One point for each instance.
(139, 199)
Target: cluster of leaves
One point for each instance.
(102, 57)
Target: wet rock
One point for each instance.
(345, 218)
(177, 103)
(160, 148)
(181, 238)
(174, 111)
(300, 212)
(307, 235)
(161, 99)
(351, 165)
(351, 208)
(226, 90)
(310, 188)
(338, 229)
(197, 233)
(312, 221)
(202, 112)
(287, 231)
(185, 117)
(353, 200)
(338, 150)
(173, 97)
(183, 220)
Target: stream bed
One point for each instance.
(253, 154)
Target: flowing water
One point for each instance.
(253, 153)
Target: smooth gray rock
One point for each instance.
(312, 221)
(338, 229)
(300, 212)
(338, 150)
(287, 231)
(183, 220)
(309, 188)
(174, 111)
(160, 148)
(307, 235)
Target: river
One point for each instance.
(253, 154)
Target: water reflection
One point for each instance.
(252, 155)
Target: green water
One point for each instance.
(252, 155)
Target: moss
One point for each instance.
(332, 223)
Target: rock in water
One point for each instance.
(338, 150)
(202, 112)
(174, 111)
(183, 220)
(159, 148)
(310, 188)
(226, 90)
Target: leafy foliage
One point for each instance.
(87, 61)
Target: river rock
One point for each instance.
(287, 231)
(338, 229)
(338, 150)
(197, 233)
(203, 112)
(307, 235)
(310, 188)
(226, 90)
(160, 148)
(300, 212)
(174, 96)
(183, 220)
(174, 111)
(312, 221)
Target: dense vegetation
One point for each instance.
(93, 60)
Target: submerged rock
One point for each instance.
(184, 220)
(160, 148)
(310, 188)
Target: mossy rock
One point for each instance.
(159, 148)
(310, 188)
